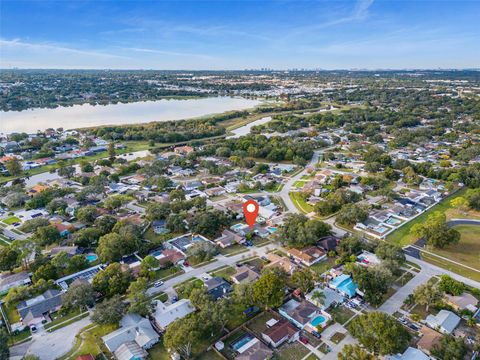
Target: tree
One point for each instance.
(436, 231)
(13, 166)
(374, 281)
(201, 251)
(14, 199)
(45, 272)
(148, 266)
(450, 348)
(209, 223)
(87, 214)
(181, 335)
(348, 247)
(473, 198)
(388, 251)
(268, 290)
(4, 349)
(57, 206)
(451, 286)
(298, 231)
(410, 177)
(460, 203)
(105, 224)
(354, 352)
(110, 311)
(30, 357)
(304, 280)
(319, 297)
(8, 258)
(112, 281)
(140, 303)
(351, 214)
(175, 223)
(380, 333)
(80, 295)
(46, 235)
(158, 211)
(77, 263)
(112, 247)
(87, 237)
(111, 152)
(427, 294)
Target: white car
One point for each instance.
(158, 283)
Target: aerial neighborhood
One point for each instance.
(131, 242)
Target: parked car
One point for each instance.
(303, 339)
(174, 299)
(316, 334)
(33, 329)
(158, 283)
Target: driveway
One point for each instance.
(48, 346)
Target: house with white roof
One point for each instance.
(445, 321)
(135, 332)
(166, 314)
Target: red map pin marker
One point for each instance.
(250, 210)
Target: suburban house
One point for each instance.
(280, 261)
(8, 281)
(228, 238)
(429, 339)
(328, 243)
(168, 256)
(331, 297)
(410, 354)
(135, 333)
(244, 275)
(217, 287)
(34, 311)
(308, 256)
(282, 331)
(463, 301)
(299, 313)
(166, 314)
(254, 350)
(445, 321)
(344, 285)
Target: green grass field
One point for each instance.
(10, 220)
(300, 203)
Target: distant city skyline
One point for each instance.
(229, 35)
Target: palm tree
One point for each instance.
(319, 297)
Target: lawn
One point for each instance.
(402, 235)
(293, 351)
(341, 314)
(323, 265)
(337, 337)
(10, 220)
(445, 264)
(467, 251)
(224, 272)
(162, 297)
(300, 203)
(258, 325)
(58, 318)
(89, 341)
(19, 336)
(233, 250)
(168, 272)
(158, 352)
(12, 313)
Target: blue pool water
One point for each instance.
(318, 320)
(239, 343)
(237, 226)
(392, 221)
(91, 257)
(272, 229)
(156, 253)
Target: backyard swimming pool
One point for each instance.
(241, 342)
(318, 320)
(91, 257)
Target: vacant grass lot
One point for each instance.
(448, 265)
(10, 220)
(467, 251)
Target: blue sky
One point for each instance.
(368, 34)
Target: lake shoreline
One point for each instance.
(87, 116)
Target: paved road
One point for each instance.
(48, 346)
(287, 188)
(221, 261)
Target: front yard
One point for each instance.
(341, 314)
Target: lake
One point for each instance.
(86, 115)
